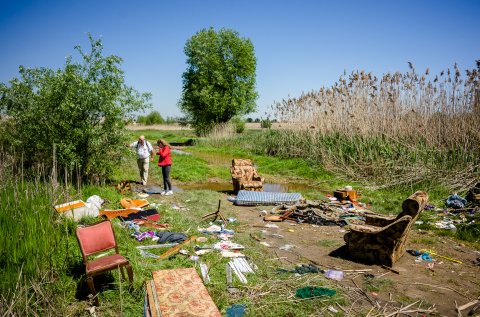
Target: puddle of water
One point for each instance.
(181, 152)
(227, 187)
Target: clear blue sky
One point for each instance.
(300, 45)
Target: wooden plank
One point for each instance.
(175, 249)
(156, 301)
(151, 300)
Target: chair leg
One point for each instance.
(121, 271)
(92, 289)
(130, 274)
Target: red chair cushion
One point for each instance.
(106, 263)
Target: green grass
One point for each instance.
(44, 246)
(179, 136)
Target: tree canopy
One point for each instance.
(77, 112)
(219, 82)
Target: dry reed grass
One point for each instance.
(410, 106)
(422, 127)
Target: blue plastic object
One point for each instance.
(236, 310)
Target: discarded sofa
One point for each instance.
(382, 240)
(245, 176)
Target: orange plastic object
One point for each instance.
(70, 206)
(133, 203)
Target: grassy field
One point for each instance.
(42, 271)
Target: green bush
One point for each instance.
(152, 118)
(72, 117)
(265, 123)
(239, 125)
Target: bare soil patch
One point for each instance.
(441, 286)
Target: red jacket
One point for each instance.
(165, 157)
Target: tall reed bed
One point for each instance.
(395, 128)
(34, 248)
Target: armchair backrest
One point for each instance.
(96, 238)
(243, 169)
(414, 205)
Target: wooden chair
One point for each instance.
(97, 238)
(382, 240)
(245, 176)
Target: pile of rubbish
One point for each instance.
(458, 210)
(322, 213)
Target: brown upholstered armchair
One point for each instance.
(382, 240)
(245, 176)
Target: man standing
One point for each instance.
(144, 152)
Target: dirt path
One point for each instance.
(439, 286)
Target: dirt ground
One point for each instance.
(441, 286)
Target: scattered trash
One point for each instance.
(194, 258)
(170, 237)
(240, 266)
(228, 245)
(236, 310)
(217, 230)
(143, 195)
(332, 309)
(77, 210)
(202, 239)
(441, 256)
(287, 247)
(263, 213)
(204, 271)
(203, 251)
(183, 251)
(303, 269)
(217, 215)
(265, 244)
(271, 225)
(231, 254)
(156, 246)
(147, 254)
(319, 213)
(455, 202)
(313, 291)
(232, 290)
(426, 257)
(334, 275)
(95, 203)
(140, 236)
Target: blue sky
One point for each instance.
(300, 45)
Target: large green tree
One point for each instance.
(219, 82)
(77, 113)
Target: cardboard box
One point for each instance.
(342, 194)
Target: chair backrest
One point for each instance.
(243, 169)
(96, 238)
(242, 162)
(414, 205)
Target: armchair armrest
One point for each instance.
(378, 220)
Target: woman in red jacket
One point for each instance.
(165, 161)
